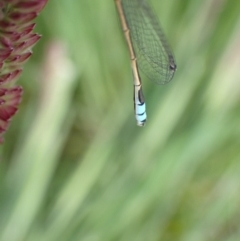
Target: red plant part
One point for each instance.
(16, 41)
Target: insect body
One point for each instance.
(148, 49)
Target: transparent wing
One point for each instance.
(154, 56)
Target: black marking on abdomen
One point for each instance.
(142, 114)
(140, 97)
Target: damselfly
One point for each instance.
(148, 49)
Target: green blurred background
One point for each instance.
(74, 165)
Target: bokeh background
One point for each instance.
(74, 165)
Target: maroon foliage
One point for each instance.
(16, 40)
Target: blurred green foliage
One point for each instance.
(74, 165)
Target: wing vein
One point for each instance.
(154, 56)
